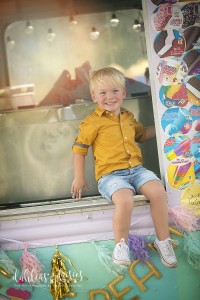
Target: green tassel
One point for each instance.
(105, 257)
(192, 249)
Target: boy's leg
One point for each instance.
(124, 203)
(154, 191)
(123, 200)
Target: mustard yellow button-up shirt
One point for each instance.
(113, 140)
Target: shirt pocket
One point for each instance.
(130, 131)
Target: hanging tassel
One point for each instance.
(184, 218)
(31, 267)
(105, 257)
(60, 281)
(192, 249)
(139, 248)
(152, 247)
(3, 272)
(6, 264)
(175, 231)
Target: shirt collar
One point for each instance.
(100, 111)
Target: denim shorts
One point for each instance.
(132, 178)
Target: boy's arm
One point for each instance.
(150, 132)
(79, 176)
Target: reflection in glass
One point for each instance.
(55, 46)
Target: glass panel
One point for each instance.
(48, 66)
(57, 55)
(36, 161)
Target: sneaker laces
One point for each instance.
(168, 247)
(122, 247)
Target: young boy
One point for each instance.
(112, 132)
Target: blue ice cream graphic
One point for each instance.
(179, 122)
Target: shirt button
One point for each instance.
(121, 123)
(111, 115)
(106, 112)
(125, 137)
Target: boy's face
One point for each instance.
(109, 96)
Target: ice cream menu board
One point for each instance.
(173, 42)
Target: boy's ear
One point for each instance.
(124, 93)
(93, 98)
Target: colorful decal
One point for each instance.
(192, 37)
(169, 43)
(193, 89)
(190, 13)
(197, 170)
(174, 95)
(176, 121)
(180, 176)
(195, 146)
(159, 2)
(192, 61)
(171, 70)
(177, 149)
(195, 115)
(167, 16)
(191, 197)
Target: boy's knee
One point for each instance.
(123, 196)
(125, 204)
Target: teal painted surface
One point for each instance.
(188, 278)
(182, 283)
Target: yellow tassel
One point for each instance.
(151, 246)
(3, 272)
(175, 231)
(60, 281)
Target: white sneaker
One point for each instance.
(166, 252)
(121, 253)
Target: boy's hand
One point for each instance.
(77, 186)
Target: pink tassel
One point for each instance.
(31, 267)
(139, 248)
(184, 218)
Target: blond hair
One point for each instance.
(106, 75)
